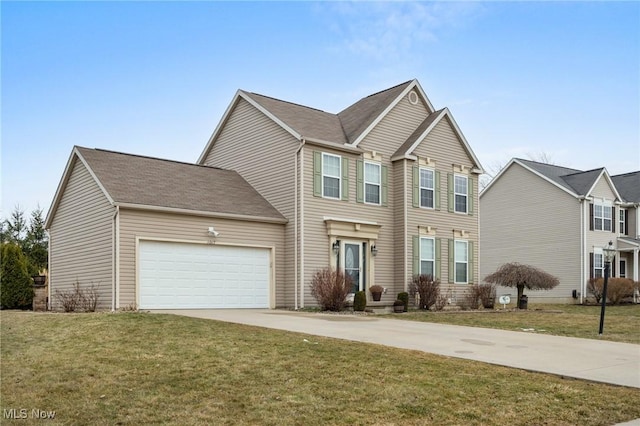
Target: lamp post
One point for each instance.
(609, 252)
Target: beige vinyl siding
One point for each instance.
(81, 239)
(316, 240)
(444, 148)
(526, 219)
(633, 225)
(598, 238)
(264, 155)
(394, 129)
(168, 226)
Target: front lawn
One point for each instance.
(621, 323)
(135, 368)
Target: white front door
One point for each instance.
(351, 260)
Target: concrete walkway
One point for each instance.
(596, 360)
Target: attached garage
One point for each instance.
(176, 275)
(146, 233)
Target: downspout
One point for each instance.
(406, 226)
(295, 230)
(49, 304)
(302, 224)
(115, 303)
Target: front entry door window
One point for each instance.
(352, 264)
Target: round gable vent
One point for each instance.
(413, 98)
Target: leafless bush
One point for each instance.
(471, 299)
(486, 294)
(442, 300)
(427, 288)
(330, 288)
(78, 300)
(617, 289)
(594, 288)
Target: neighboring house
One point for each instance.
(559, 219)
(385, 189)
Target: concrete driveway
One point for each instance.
(599, 361)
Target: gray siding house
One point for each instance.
(559, 219)
(384, 189)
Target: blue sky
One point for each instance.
(154, 78)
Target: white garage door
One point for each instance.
(200, 276)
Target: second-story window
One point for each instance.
(460, 192)
(426, 188)
(602, 217)
(331, 173)
(372, 183)
(623, 221)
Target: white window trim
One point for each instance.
(466, 194)
(339, 177)
(598, 253)
(621, 220)
(365, 182)
(424, 259)
(455, 261)
(602, 218)
(433, 190)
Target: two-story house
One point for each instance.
(559, 219)
(385, 189)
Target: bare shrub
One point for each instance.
(471, 299)
(594, 288)
(617, 289)
(89, 298)
(427, 288)
(330, 288)
(486, 294)
(78, 300)
(442, 300)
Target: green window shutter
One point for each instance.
(470, 262)
(437, 190)
(416, 255)
(317, 174)
(470, 196)
(385, 186)
(345, 179)
(438, 258)
(452, 270)
(450, 196)
(416, 186)
(359, 181)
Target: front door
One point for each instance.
(352, 261)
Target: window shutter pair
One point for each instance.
(416, 256)
(415, 190)
(451, 194)
(384, 183)
(470, 261)
(317, 176)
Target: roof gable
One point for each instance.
(583, 182)
(144, 182)
(423, 130)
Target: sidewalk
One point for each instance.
(596, 360)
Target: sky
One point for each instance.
(521, 79)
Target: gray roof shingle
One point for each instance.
(147, 181)
(416, 134)
(628, 186)
(574, 180)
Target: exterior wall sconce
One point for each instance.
(336, 247)
(374, 250)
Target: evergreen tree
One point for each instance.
(16, 290)
(37, 243)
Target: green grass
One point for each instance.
(621, 324)
(133, 368)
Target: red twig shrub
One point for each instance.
(330, 288)
(427, 288)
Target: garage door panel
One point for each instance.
(175, 275)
